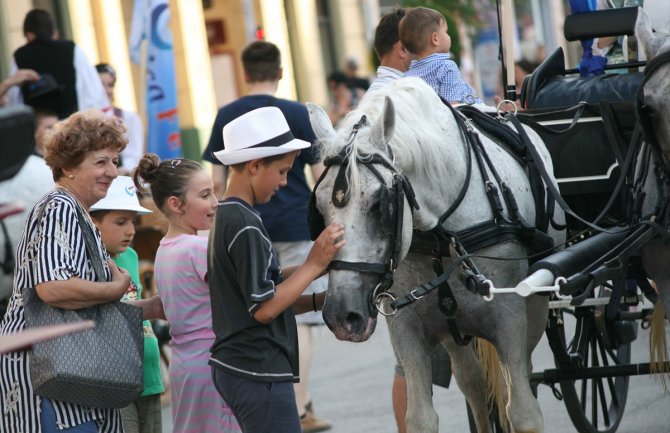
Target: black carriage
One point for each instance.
(591, 129)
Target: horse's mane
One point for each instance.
(423, 126)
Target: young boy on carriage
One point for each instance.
(423, 32)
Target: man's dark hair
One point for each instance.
(527, 65)
(39, 22)
(261, 61)
(386, 34)
(337, 77)
(105, 68)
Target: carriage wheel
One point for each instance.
(595, 405)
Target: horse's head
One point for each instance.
(655, 104)
(363, 190)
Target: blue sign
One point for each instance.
(151, 20)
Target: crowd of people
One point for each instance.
(241, 302)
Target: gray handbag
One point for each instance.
(101, 367)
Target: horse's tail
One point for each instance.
(658, 349)
(496, 388)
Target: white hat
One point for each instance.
(122, 195)
(258, 134)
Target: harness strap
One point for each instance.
(399, 217)
(613, 132)
(427, 287)
(508, 196)
(517, 147)
(468, 165)
(551, 188)
(485, 234)
(340, 265)
(448, 306)
(491, 189)
(528, 118)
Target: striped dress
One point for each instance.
(180, 273)
(55, 252)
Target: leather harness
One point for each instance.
(442, 243)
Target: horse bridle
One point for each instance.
(398, 191)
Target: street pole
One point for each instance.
(508, 47)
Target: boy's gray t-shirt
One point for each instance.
(242, 272)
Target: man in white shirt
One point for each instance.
(393, 57)
(130, 156)
(46, 54)
(394, 61)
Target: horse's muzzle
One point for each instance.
(349, 325)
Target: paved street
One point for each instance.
(352, 388)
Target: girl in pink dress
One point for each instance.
(184, 193)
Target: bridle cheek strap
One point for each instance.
(388, 267)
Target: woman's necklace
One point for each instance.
(80, 205)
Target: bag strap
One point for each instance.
(91, 246)
(89, 237)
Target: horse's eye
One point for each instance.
(374, 208)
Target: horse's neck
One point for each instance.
(439, 186)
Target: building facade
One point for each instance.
(315, 38)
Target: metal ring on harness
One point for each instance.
(489, 297)
(379, 301)
(505, 102)
(559, 281)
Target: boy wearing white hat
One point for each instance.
(115, 217)
(256, 339)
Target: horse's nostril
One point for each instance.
(355, 321)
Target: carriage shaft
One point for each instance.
(553, 375)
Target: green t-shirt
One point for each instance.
(153, 382)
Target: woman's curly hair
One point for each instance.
(71, 140)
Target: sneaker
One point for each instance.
(311, 424)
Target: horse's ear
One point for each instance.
(382, 130)
(652, 44)
(320, 121)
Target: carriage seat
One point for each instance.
(547, 86)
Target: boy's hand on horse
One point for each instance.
(325, 247)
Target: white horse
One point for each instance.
(656, 254)
(415, 134)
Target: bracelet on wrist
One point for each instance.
(314, 302)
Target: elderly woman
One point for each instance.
(82, 152)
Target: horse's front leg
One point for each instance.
(414, 354)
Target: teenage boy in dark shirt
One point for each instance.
(255, 354)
